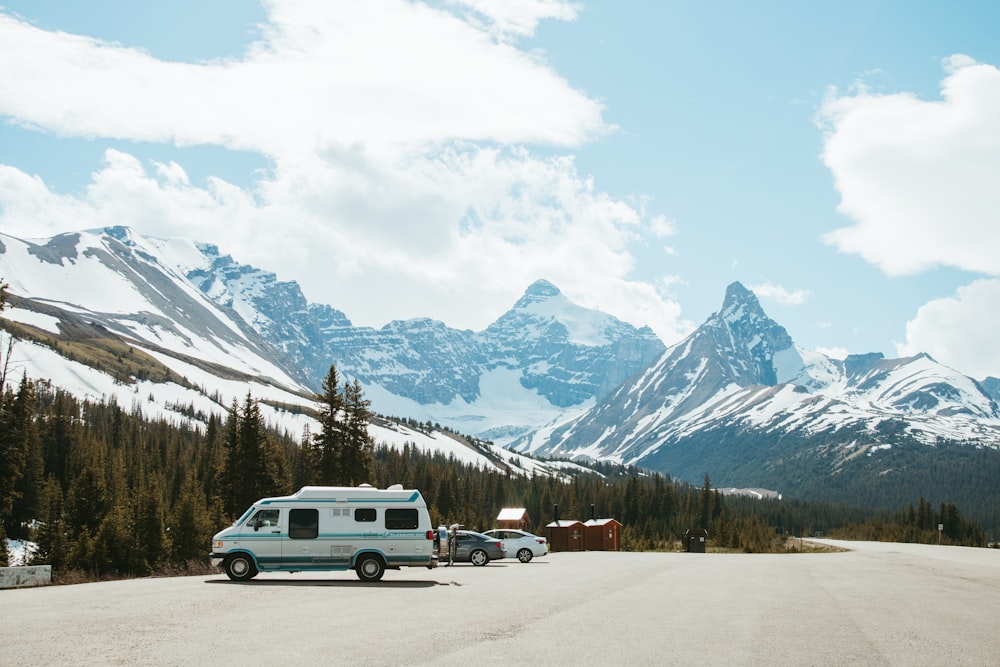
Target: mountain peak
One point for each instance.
(542, 288)
(538, 291)
(738, 295)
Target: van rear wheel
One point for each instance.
(370, 568)
(240, 567)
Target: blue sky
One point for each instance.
(404, 159)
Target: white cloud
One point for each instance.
(519, 17)
(778, 294)
(959, 331)
(325, 75)
(919, 178)
(402, 184)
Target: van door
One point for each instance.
(300, 549)
(263, 532)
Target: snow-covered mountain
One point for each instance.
(544, 359)
(173, 327)
(106, 315)
(738, 395)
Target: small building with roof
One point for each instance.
(602, 535)
(694, 540)
(513, 517)
(566, 535)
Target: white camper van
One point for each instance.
(318, 528)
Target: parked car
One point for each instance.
(476, 548)
(520, 543)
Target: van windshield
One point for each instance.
(244, 517)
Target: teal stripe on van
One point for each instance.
(332, 536)
(317, 501)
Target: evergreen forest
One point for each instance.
(107, 493)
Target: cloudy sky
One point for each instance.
(402, 159)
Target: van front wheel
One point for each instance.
(370, 568)
(240, 567)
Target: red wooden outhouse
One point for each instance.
(565, 536)
(602, 535)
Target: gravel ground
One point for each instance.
(877, 604)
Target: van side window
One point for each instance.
(401, 519)
(364, 514)
(303, 524)
(265, 518)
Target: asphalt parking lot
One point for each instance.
(878, 604)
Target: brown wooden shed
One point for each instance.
(513, 517)
(602, 535)
(566, 536)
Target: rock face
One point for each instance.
(548, 377)
(115, 283)
(545, 351)
(738, 395)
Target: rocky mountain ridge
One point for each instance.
(737, 397)
(175, 325)
(544, 356)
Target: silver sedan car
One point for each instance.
(520, 543)
(472, 547)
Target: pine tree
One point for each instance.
(233, 480)
(190, 529)
(304, 460)
(255, 467)
(87, 501)
(252, 441)
(27, 505)
(706, 503)
(51, 538)
(356, 457)
(153, 544)
(13, 451)
(9, 345)
(331, 436)
(213, 458)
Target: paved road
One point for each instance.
(879, 604)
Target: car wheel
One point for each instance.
(240, 567)
(479, 557)
(370, 568)
(524, 555)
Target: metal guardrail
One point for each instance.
(24, 576)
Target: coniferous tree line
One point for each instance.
(923, 524)
(107, 492)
